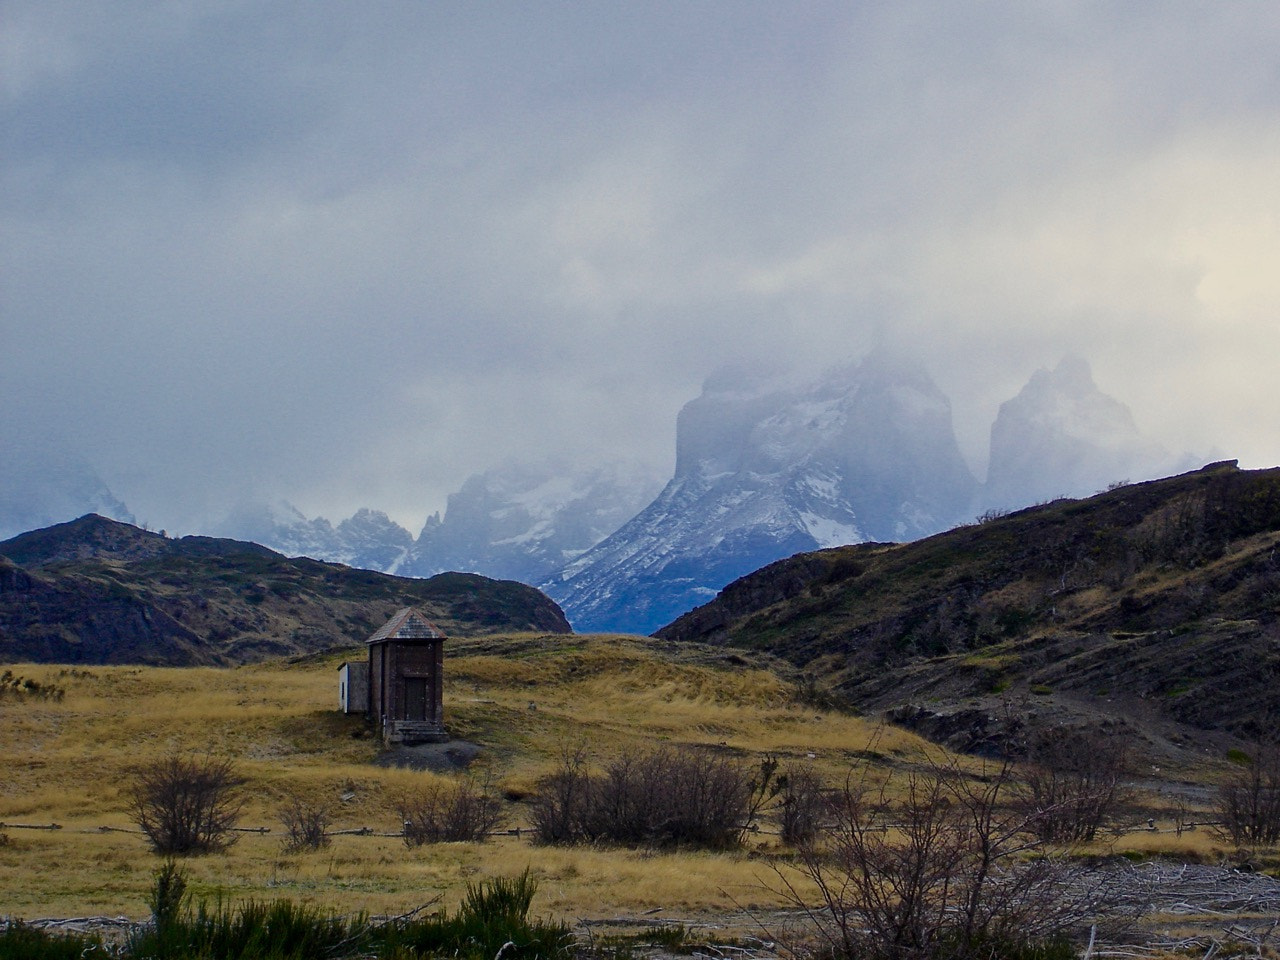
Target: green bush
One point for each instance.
(21, 942)
(492, 920)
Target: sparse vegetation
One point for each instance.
(1248, 801)
(187, 805)
(663, 797)
(306, 823)
(802, 804)
(1071, 784)
(933, 869)
(444, 811)
(18, 687)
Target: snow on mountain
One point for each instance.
(1063, 437)
(524, 521)
(47, 486)
(866, 453)
(515, 522)
(368, 539)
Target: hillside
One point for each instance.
(98, 591)
(1153, 605)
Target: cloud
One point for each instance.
(349, 257)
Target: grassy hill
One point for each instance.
(68, 759)
(1154, 605)
(96, 591)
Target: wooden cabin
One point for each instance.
(405, 685)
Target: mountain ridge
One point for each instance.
(1121, 603)
(95, 590)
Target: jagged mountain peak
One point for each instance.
(765, 470)
(1063, 436)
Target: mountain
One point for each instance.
(1153, 603)
(98, 591)
(865, 453)
(1063, 437)
(48, 485)
(525, 521)
(369, 539)
(519, 521)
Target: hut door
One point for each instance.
(415, 698)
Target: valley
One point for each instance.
(522, 700)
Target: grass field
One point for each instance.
(525, 700)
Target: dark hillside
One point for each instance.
(1165, 593)
(98, 591)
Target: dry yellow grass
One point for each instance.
(69, 762)
(524, 699)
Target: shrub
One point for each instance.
(167, 895)
(1248, 801)
(931, 869)
(442, 812)
(17, 940)
(801, 804)
(1071, 784)
(187, 805)
(306, 824)
(558, 808)
(492, 921)
(663, 797)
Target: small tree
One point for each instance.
(187, 805)
(1248, 801)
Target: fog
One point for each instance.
(350, 256)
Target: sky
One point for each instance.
(350, 254)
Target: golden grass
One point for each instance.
(69, 762)
(525, 700)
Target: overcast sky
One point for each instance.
(349, 254)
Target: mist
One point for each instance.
(350, 259)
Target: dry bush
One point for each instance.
(802, 804)
(306, 824)
(187, 805)
(1248, 801)
(662, 797)
(1071, 784)
(931, 867)
(442, 812)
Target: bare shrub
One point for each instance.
(1071, 784)
(443, 812)
(1248, 801)
(187, 805)
(931, 867)
(662, 797)
(802, 804)
(306, 823)
(558, 808)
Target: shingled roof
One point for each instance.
(407, 624)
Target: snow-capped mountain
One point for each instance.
(515, 522)
(524, 521)
(866, 453)
(368, 539)
(1063, 437)
(47, 486)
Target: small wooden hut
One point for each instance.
(406, 679)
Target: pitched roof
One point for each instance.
(407, 624)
